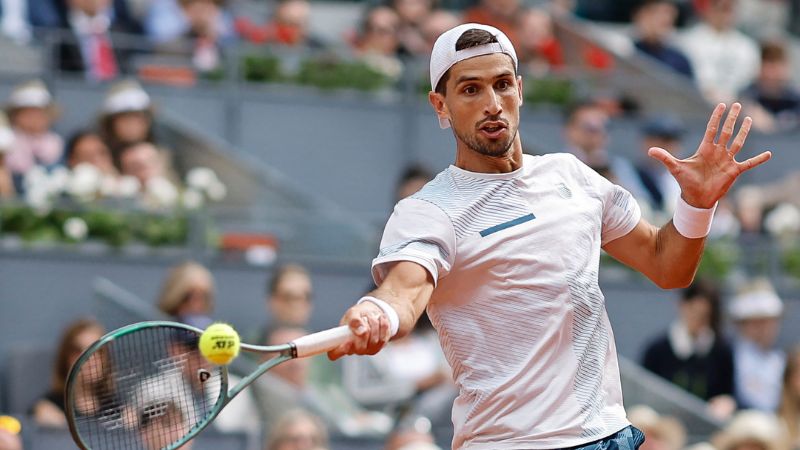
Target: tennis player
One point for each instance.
(503, 250)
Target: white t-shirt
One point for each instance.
(517, 305)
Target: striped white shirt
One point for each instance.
(517, 305)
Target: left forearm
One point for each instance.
(676, 257)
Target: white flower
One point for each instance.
(58, 180)
(201, 178)
(784, 219)
(35, 177)
(192, 199)
(38, 198)
(75, 228)
(85, 181)
(217, 191)
(108, 186)
(128, 186)
(161, 192)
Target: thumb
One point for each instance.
(669, 161)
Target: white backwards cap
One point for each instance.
(444, 54)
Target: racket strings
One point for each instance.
(144, 390)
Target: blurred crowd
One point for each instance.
(115, 155)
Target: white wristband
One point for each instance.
(692, 222)
(388, 310)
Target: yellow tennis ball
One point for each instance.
(10, 424)
(219, 343)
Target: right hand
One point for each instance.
(370, 328)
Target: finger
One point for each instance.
(741, 136)
(357, 325)
(361, 342)
(384, 322)
(755, 161)
(669, 161)
(729, 125)
(374, 330)
(713, 124)
(338, 352)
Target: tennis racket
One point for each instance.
(147, 386)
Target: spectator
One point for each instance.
(539, 50)
(76, 338)
(411, 181)
(412, 433)
(164, 406)
(764, 19)
(436, 23)
(289, 296)
(187, 294)
(692, 354)
(773, 102)
(412, 14)
(754, 201)
(10, 441)
(143, 161)
(501, 14)
(646, 179)
(661, 432)
(31, 112)
(724, 60)
(586, 135)
(289, 26)
(87, 147)
(91, 48)
(789, 410)
(751, 430)
(127, 115)
(654, 25)
(205, 22)
(6, 142)
(298, 429)
(377, 42)
(758, 364)
(288, 385)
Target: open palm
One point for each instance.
(707, 175)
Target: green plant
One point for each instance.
(333, 73)
(557, 91)
(719, 259)
(262, 68)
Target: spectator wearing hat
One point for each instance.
(758, 364)
(31, 113)
(692, 354)
(91, 48)
(661, 432)
(646, 179)
(6, 142)
(751, 430)
(127, 115)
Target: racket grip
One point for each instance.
(321, 342)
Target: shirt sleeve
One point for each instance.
(420, 232)
(621, 212)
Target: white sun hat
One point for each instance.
(757, 301)
(444, 54)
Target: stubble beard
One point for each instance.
(493, 149)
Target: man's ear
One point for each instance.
(437, 101)
(519, 88)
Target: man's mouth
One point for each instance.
(493, 129)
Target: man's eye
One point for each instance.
(503, 84)
(470, 90)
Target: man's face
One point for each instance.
(482, 102)
(763, 331)
(696, 314)
(588, 129)
(721, 14)
(656, 22)
(291, 302)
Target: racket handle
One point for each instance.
(321, 342)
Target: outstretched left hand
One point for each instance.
(706, 176)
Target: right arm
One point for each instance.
(406, 287)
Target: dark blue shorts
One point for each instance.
(628, 438)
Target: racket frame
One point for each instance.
(285, 352)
